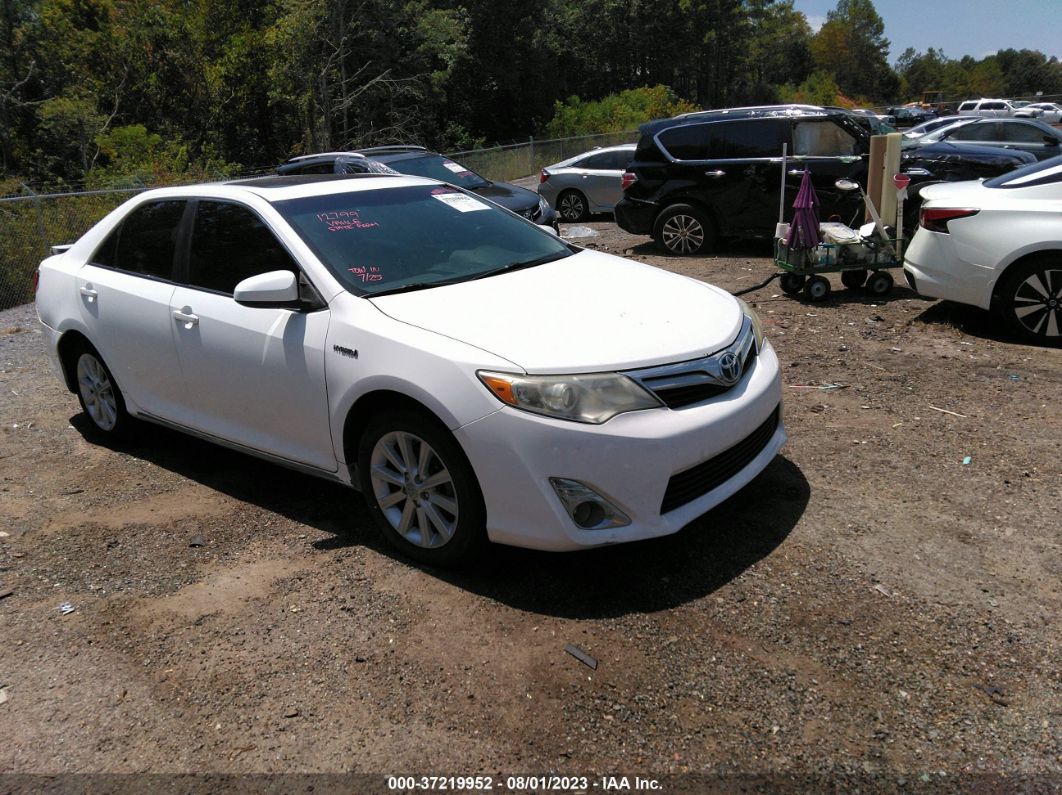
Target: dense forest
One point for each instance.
(97, 92)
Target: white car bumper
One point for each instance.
(629, 460)
(940, 270)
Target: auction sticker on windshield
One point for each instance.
(460, 201)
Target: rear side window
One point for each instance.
(752, 138)
(607, 161)
(229, 244)
(145, 242)
(688, 141)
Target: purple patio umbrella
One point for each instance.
(804, 233)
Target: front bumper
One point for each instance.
(629, 460)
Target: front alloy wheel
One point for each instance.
(414, 490)
(421, 489)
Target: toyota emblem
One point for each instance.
(730, 367)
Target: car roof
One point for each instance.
(751, 112)
(281, 188)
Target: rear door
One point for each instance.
(124, 292)
(256, 375)
(601, 178)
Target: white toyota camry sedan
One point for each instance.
(473, 375)
(996, 245)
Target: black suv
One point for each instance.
(421, 162)
(702, 176)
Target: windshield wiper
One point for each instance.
(516, 266)
(414, 286)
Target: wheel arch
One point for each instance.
(371, 404)
(69, 343)
(1019, 259)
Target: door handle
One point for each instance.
(186, 317)
(88, 292)
(717, 173)
(795, 173)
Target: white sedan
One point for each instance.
(473, 375)
(997, 245)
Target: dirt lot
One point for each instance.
(884, 602)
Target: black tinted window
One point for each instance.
(601, 161)
(1024, 133)
(977, 131)
(145, 241)
(688, 141)
(230, 243)
(750, 138)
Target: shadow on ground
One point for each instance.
(630, 578)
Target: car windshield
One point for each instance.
(415, 237)
(440, 168)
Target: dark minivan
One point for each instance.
(702, 176)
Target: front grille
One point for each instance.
(676, 397)
(698, 480)
(687, 383)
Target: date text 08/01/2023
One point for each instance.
(522, 783)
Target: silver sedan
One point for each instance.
(587, 183)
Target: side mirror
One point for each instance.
(276, 289)
(846, 185)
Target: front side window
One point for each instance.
(1023, 134)
(145, 242)
(229, 244)
(822, 139)
(396, 239)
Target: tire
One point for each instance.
(880, 283)
(98, 393)
(853, 279)
(1029, 300)
(439, 519)
(572, 206)
(792, 283)
(817, 288)
(684, 230)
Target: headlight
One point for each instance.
(757, 324)
(592, 398)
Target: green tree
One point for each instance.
(852, 47)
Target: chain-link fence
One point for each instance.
(30, 223)
(520, 160)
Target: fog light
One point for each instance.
(588, 509)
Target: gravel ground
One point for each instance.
(879, 610)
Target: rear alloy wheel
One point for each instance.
(685, 230)
(817, 288)
(421, 490)
(572, 206)
(880, 283)
(1030, 300)
(99, 395)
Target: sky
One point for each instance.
(960, 27)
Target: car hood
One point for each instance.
(511, 197)
(590, 312)
(946, 151)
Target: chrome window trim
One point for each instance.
(694, 372)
